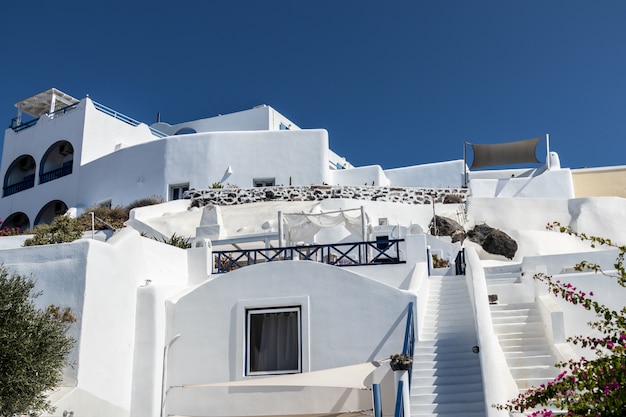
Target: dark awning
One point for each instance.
(509, 153)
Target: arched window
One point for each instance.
(57, 162)
(50, 211)
(20, 175)
(17, 220)
(185, 131)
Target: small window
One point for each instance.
(264, 182)
(382, 242)
(273, 341)
(106, 203)
(283, 126)
(178, 190)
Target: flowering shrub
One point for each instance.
(9, 231)
(586, 387)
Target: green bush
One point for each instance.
(113, 217)
(175, 240)
(62, 229)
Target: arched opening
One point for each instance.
(20, 175)
(17, 220)
(185, 131)
(50, 211)
(57, 162)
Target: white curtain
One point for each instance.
(302, 227)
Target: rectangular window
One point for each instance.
(264, 182)
(178, 190)
(273, 341)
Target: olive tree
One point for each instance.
(33, 347)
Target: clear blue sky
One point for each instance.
(395, 83)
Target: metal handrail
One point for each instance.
(20, 186)
(119, 116)
(408, 347)
(55, 173)
(337, 254)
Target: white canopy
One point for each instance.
(352, 376)
(303, 226)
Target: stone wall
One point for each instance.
(406, 195)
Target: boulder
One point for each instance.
(493, 241)
(447, 227)
(452, 199)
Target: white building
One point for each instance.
(303, 280)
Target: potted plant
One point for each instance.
(400, 362)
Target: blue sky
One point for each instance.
(395, 83)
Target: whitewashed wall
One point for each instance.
(347, 319)
(436, 175)
(549, 184)
(367, 175)
(260, 117)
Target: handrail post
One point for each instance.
(378, 406)
(399, 408)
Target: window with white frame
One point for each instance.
(273, 341)
(177, 191)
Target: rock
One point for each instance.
(448, 227)
(479, 233)
(493, 241)
(499, 243)
(452, 199)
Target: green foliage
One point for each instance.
(217, 185)
(113, 217)
(585, 387)
(33, 347)
(143, 202)
(178, 241)
(62, 229)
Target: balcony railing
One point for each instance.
(124, 118)
(28, 182)
(55, 173)
(17, 127)
(338, 254)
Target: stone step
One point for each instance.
(443, 381)
(519, 327)
(531, 360)
(457, 372)
(459, 408)
(434, 356)
(538, 334)
(539, 371)
(524, 384)
(464, 396)
(444, 363)
(450, 414)
(515, 318)
(447, 388)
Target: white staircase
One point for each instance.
(521, 334)
(447, 378)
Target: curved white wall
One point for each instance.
(347, 319)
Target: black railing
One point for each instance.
(23, 125)
(55, 173)
(338, 254)
(28, 182)
(17, 127)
